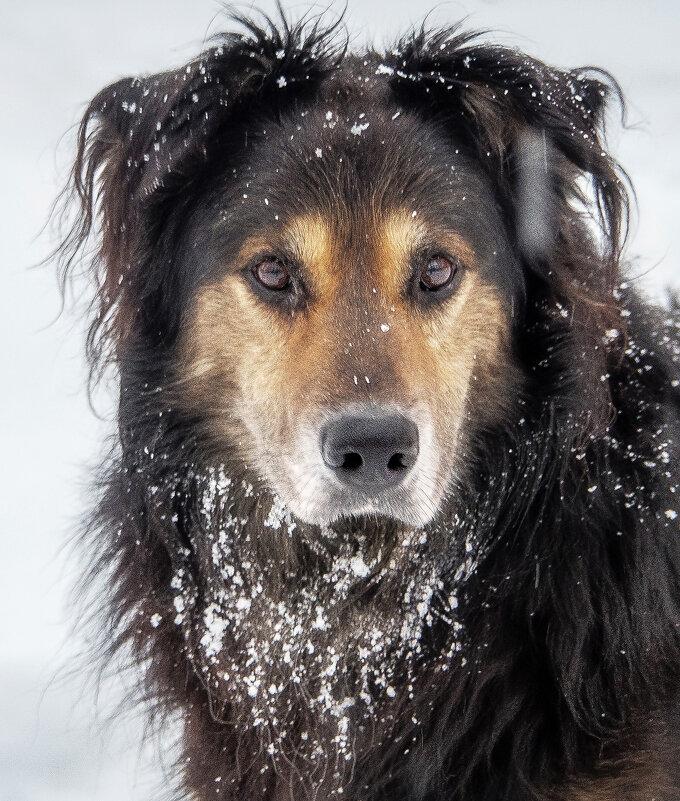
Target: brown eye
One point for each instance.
(272, 274)
(437, 273)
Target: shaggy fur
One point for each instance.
(524, 643)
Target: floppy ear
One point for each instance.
(144, 148)
(526, 123)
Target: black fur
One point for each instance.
(568, 627)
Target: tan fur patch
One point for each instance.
(310, 238)
(645, 769)
(461, 345)
(635, 782)
(400, 233)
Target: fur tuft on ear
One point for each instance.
(144, 140)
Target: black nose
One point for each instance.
(370, 452)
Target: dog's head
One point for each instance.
(328, 263)
(353, 302)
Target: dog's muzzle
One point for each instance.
(362, 460)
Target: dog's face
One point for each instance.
(351, 311)
(322, 261)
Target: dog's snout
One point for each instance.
(370, 453)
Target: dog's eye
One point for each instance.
(437, 273)
(272, 274)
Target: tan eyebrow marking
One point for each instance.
(399, 234)
(308, 239)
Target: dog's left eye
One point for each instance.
(437, 273)
(272, 274)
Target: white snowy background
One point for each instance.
(55, 742)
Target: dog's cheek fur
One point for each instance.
(475, 371)
(458, 355)
(233, 365)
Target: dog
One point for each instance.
(393, 507)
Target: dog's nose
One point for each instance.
(370, 453)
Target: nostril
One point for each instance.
(352, 461)
(397, 462)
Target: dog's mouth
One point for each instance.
(337, 509)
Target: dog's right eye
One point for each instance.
(272, 274)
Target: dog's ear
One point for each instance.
(538, 131)
(145, 144)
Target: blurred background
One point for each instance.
(56, 740)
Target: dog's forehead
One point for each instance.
(354, 175)
(361, 150)
(356, 164)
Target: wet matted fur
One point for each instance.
(286, 234)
